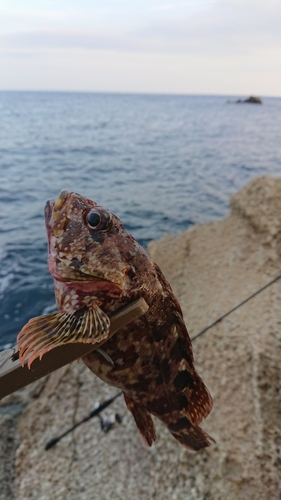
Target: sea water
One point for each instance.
(161, 163)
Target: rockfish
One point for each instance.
(97, 269)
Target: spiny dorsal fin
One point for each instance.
(43, 333)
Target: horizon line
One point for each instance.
(145, 93)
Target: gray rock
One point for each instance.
(252, 100)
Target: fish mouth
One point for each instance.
(84, 283)
(95, 286)
(68, 275)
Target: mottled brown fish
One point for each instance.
(98, 268)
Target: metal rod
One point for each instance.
(236, 307)
(95, 412)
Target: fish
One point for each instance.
(98, 268)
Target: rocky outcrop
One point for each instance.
(212, 267)
(252, 100)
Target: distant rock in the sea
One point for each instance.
(252, 99)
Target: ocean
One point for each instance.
(160, 162)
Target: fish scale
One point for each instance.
(150, 359)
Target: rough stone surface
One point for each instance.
(211, 267)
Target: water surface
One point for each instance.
(161, 163)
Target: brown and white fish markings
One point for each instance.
(98, 268)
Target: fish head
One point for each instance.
(88, 245)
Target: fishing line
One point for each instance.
(236, 307)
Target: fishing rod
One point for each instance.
(236, 307)
(94, 413)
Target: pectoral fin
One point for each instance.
(43, 333)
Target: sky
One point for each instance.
(224, 47)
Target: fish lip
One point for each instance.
(48, 211)
(90, 279)
(91, 286)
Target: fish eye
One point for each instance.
(99, 219)
(93, 219)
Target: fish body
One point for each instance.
(97, 269)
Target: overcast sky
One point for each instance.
(193, 46)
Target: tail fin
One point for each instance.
(193, 438)
(185, 426)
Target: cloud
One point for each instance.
(220, 27)
(227, 26)
(64, 39)
(231, 42)
(127, 71)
